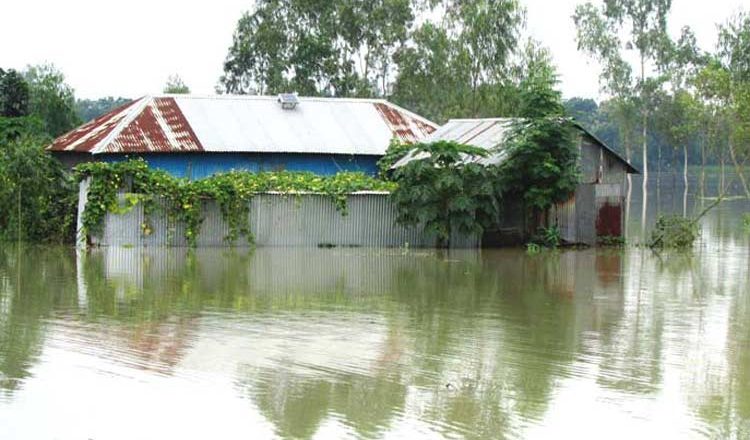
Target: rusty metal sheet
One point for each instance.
(159, 127)
(86, 137)
(402, 125)
(609, 220)
(248, 124)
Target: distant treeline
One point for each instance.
(88, 109)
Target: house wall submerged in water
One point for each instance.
(197, 136)
(276, 220)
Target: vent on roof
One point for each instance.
(288, 101)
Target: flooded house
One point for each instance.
(594, 211)
(196, 136)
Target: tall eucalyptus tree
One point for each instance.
(599, 33)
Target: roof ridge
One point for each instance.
(302, 98)
(265, 97)
(409, 112)
(133, 112)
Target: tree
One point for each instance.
(541, 168)
(729, 82)
(51, 99)
(88, 109)
(599, 33)
(317, 47)
(539, 96)
(583, 110)
(433, 77)
(444, 192)
(14, 94)
(488, 33)
(176, 86)
(464, 65)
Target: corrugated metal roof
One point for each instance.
(490, 134)
(231, 123)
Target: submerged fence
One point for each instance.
(300, 220)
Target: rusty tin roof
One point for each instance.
(245, 124)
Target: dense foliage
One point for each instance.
(51, 99)
(542, 162)
(14, 94)
(340, 48)
(460, 59)
(446, 191)
(184, 199)
(37, 197)
(396, 150)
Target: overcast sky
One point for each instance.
(130, 48)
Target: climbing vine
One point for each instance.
(183, 199)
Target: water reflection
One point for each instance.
(376, 343)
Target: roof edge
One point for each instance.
(630, 167)
(408, 112)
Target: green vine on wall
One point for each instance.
(184, 199)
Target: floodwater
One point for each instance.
(367, 343)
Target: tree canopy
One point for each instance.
(176, 85)
(51, 99)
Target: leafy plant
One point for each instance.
(542, 163)
(183, 200)
(548, 237)
(674, 232)
(533, 248)
(37, 197)
(611, 240)
(746, 221)
(446, 191)
(396, 150)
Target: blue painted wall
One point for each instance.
(200, 165)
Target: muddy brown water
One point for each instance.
(377, 343)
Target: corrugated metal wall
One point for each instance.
(308, 220)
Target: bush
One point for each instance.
(38, 198)
(547, 237)
(446, 193)
(674, 232)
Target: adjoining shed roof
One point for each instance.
(247, 124)
(491, 134)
